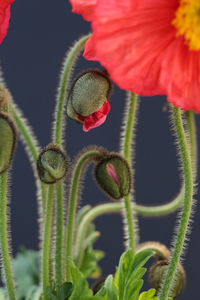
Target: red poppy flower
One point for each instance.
(150, 47)
(97, 118)
(4, 17)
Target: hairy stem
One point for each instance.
(6, 260)
(186, 211)
(190, 118)
(126, 150)
(47, 241)
(31, 143)
(57, 138)
(59, 234)
(89, 155)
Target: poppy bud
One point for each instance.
(8, 136)
(87, 102)
(156, 275)
(113, 175)
(52, 164)
(5, 100)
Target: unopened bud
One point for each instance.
(157, 273)
(5, 100)
(8, 137)
(52, 164)
(113, 175)
(87, 102)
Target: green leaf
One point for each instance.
(129, 274)
(2, 294)
(149, 295)
(110, 288)
(80, 285)
(33, 293)
(27, 271)
(89, 266)
(65, 291)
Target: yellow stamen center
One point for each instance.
(187, 22)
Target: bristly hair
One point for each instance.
(84, 170)
(132, 162)
(189, 228)
(30, 130)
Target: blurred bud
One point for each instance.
(113, 175)
(87, 102)
(52, 164)
(156, 275)
(8, 137)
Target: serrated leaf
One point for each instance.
(110, 288)
(80, 284)
(130, 272)
(149, 295)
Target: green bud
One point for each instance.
(8, 136)
(52, 164)
(113, 175)
(5, 100)
(88, 93)
(156, 275)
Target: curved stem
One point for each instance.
(47, 241)
(32, 147)
(6, 261)
(57, 138)
(126, 150)
(185, 216)
(89, 155)
(160, 250)
(59, 234)
(62, 89)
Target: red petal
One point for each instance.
(112, 173)
(4, 17)
(84, 7)
(97, 118)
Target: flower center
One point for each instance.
(187, 22)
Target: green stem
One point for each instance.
(186, 211)
(89, 155)
(62, 89)
(47, 241)
(59, 234)
(6, 262)
(57, 137)
(190, 118)
(32, 147)
(126, 150)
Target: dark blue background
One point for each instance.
(31, 56)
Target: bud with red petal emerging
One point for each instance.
(87, 102)
(113, 175)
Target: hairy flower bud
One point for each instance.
(52, 164)
(113, 175)
(5, 100)
(156, 275)
(87, 102)
(8, 137)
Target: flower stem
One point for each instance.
(186, 211)
(59, 234)
(47, 241)
(190, 118)
(89, 155)
(62, 89)
(57, 137)
(4, 238)
(32, 147)
(126, 150)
